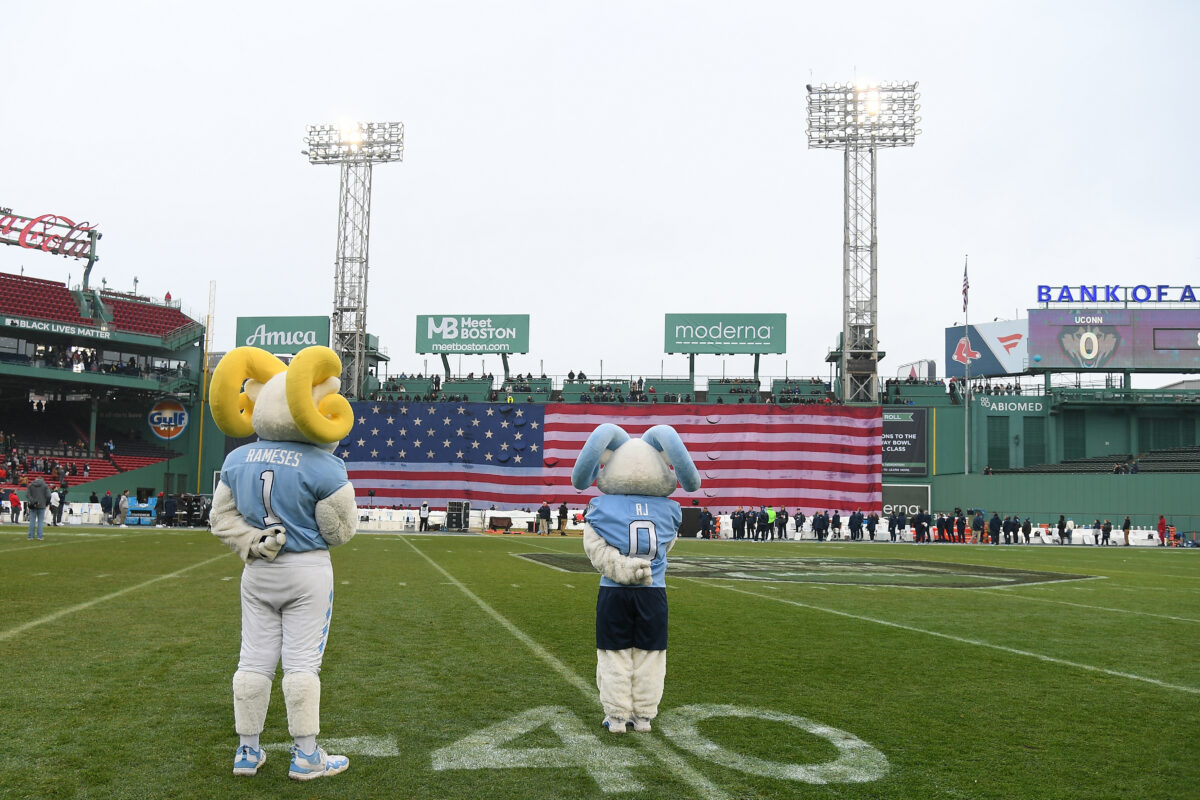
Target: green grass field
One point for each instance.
(457, 669)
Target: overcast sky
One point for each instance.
(597, 165)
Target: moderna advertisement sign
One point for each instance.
(725, 333)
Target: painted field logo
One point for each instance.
(839, 571)
(168, 419)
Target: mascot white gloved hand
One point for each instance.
(282, 503)
(627, 534)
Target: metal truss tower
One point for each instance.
(356, 147)
(858, 119)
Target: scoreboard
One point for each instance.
(1160, 339)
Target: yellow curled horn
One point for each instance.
(332, 419)
(232, 409)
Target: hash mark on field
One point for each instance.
(569, 585)
(227, 578)
(345, 583)
(960, 639)
(402, 583)
(667, 756)
(40, 574)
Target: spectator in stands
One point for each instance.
(39, 497)
(987, 470)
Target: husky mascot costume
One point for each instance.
(628, 531)
(282, 502)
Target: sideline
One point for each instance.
(11, 632)
(659, 749)
(950, 637)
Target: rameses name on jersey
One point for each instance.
(274, 455)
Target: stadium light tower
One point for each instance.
(357, 146)
(858, 119)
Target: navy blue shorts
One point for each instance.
(628, 617)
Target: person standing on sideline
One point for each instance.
(424, 515)
(1105, 532)
(122, 508)
(1063, 536)
(562, 518)
(106, 507)
(1125, 526)
(14, 507)
(39, 497)
(55, 507)
(1162, 531)
(543, 519)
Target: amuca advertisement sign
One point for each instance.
(282, 336)
(725, 334)
(905, 451)
(473, 333)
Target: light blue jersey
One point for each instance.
(280, 483)
(638, 526)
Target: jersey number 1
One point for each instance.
(268, 482)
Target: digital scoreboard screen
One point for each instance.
(1165, 339)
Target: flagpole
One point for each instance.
(967, 380)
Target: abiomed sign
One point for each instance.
(726, 334)
(466, 333)
(282, 336)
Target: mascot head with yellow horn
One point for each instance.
(253, 392)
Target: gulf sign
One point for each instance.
(168, 419)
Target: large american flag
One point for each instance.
(517, 455)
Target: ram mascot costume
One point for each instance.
(628, 531)
(282, 503)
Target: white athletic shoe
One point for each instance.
(247, 760)
(641, 724)
(315, 765)
(615, 724)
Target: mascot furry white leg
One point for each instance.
(614, 679)
(251, 696)
(649, 675)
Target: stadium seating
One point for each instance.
(137, 316)
(24, 296)
(733, 390)
(469, 389)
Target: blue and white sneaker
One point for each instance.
(318, 764)
(640, 724)
(616, 724)
(247, 760)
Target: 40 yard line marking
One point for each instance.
(953, 638)
(702, 785)
(11, 632)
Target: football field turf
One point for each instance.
(463, 667)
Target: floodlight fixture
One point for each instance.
(859, 118)
(355, 146)
(355, 142)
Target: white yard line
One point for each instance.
(701, 785)
(1010, 593)
(11, 632)
(951, 637)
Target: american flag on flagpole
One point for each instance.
(517, 455)
(966, 285)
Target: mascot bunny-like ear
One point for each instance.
(666, 440)
(587, 466)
